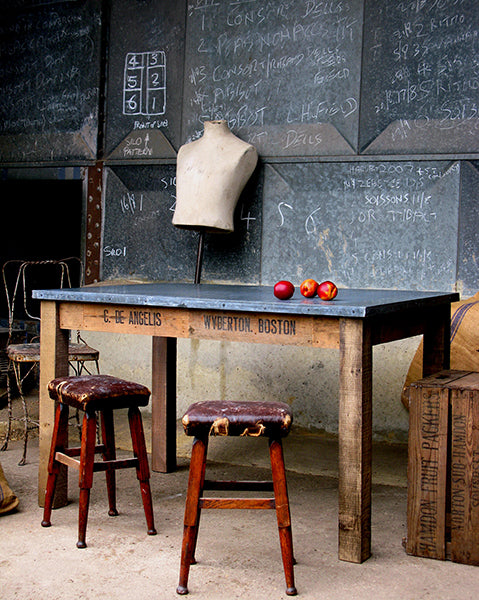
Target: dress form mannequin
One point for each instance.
(211, 172)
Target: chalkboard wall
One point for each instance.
(145, 80)
(50, 81)
(364, 224)
(140, 241)
(286, 74)
(364, 114)
(420, 77)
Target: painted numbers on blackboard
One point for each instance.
(144, 85)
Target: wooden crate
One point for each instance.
(443, 467)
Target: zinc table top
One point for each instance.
(356, 303)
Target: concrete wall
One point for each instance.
(305, 378)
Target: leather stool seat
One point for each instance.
(97, 396)
(98, 392)
(247, 419)
(238, 418)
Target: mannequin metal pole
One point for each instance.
(199, 256)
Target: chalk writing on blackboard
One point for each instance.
(49, 69)
(375, 224)
(137, 145)
(420, 77)
(284, 75)
(246, 217)
(131, 202)
(144, 85)
(113, 252)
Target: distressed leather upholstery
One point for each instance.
(98, 392)
(243, 418)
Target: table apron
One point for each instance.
(267, 328)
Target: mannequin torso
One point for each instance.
(210, 175)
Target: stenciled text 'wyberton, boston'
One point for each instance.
(274, 326)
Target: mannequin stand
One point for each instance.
(199, 256)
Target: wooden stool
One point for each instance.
(269, 419)
(94, 394)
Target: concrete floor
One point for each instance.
(238, 551)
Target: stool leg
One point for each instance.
(282, 512)
(142, 471)
(108, 437)
(87, 458)
(196, 481)
(59, 441)
(202, 483)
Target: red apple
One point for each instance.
(308, 288)
(327, 290)
(283, 290)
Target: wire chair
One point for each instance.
(23, 358)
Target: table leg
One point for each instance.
(355, 440)
(53, 363)
(163, 405)
(436, 344)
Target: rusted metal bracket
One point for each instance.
(94, 183)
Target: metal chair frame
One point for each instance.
(20, 355)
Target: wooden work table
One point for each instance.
(353, 323)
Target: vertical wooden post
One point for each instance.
(163, 405)
(436, 345)
(53, 363)
(355, 425)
